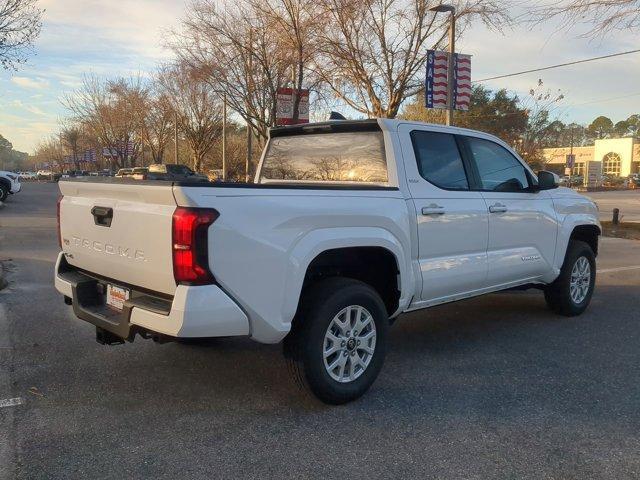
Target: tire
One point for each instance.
(579, 264)
(4, 193)
(358, 357)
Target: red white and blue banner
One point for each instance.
(437, 77)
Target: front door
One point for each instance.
(452, 220)
(522, 222)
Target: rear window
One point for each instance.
(339, 158)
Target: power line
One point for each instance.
(557, 66)
(492, 115)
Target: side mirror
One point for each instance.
(547, 180)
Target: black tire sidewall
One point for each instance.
(337, 297)
(4, 193)
(559, 294)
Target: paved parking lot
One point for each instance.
(493, 387)
(628, 201)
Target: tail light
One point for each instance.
(190, 245)
(58, 217)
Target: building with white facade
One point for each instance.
(618, 157)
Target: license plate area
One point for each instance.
(116, 296)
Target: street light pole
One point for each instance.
(175, 136)
(451, 64)
(224, 137)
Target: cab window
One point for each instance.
(499, 170)
(439, 160)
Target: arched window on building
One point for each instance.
(611, 164)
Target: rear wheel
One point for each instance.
(570, 294)
(4, 193)
(340, 339)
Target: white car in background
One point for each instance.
(9, 184)
(27, 175)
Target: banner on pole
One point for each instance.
(436, 80)
(285, 98)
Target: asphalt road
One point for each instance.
(494, 387)
(628, 201)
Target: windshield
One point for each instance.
(347, 157)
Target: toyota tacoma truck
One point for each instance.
(347, 225)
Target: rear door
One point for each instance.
(452, 220)
(522, 221)
(120, 231)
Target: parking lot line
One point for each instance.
(619, 269)
(11, 402)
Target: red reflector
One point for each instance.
(58, 217)
(190, 245)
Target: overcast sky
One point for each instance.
(122, 38)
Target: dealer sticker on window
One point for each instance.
(116, 296)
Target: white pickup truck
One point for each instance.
(347, 225)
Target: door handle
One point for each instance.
(498, 208)
(433, 209)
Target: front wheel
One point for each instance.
(4, 193)
(571, 292)
(340, 339)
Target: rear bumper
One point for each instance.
(16, 187)
(194, 311)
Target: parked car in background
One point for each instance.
(27, 175)
(124, 172)
(348, 225)
(174, 172)
(139, 173)
(9, 184)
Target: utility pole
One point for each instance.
(572, 159)
(224, 137)
(175, 136)
(451, 74)
(249, 91)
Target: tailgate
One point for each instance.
(120, 230)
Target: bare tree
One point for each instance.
(156, 123)
(49, 151)
(70, 136)
(296, 24)
(20, 23)
(198, 108)
(110, 112)
(374, 53)
(602, 16)
(242, 53)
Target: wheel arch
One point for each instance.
(352, 253)
(576, 227)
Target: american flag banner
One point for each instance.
(436, 80)
(462, 85)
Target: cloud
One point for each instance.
(26, 82)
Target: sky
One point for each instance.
(122, 38)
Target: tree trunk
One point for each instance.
(297, 86)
